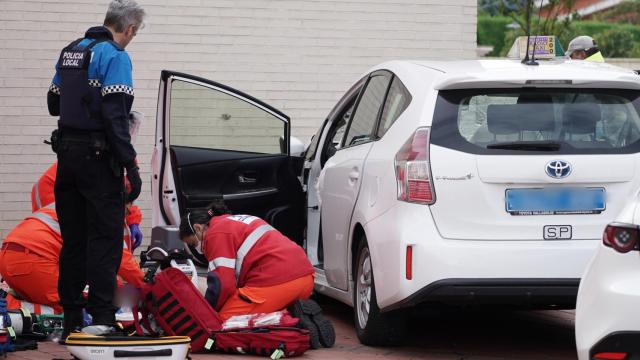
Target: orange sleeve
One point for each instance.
(42, 191)
(130, 270)
(43, 195)
(134, 215)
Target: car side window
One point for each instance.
(366, 114)
(207, 118)
(397, 101)
(336, 133)
(310, 153)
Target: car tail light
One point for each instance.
(413, 170)
(622, 237)
(610, 356)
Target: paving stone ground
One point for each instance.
(434, 335)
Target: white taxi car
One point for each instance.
(607, 319)
(463, 182)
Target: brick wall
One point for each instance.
(296, 55)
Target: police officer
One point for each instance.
(92, 92)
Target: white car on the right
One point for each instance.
(608, 305)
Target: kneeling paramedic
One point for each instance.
(29, 262)
(92, 92)
(253, 268)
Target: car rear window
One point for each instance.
(526, 121)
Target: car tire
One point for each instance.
(373, 327)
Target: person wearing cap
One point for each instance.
(584, 48)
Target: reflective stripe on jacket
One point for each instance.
(38, 309)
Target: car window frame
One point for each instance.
(357, 104)
(337, 113)
(315, 139)
(376, 132)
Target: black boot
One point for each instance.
(321, 331)
(72, 322)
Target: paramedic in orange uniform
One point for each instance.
(42, 195)
(29, 261)
(253, 268)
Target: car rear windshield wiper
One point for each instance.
(526, 145)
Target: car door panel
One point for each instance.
(322, 146)
(248, 185)
(342, 175)
(214, 142)
(339, 193)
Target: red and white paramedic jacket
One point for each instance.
(244, 250)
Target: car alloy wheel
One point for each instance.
(363, 288)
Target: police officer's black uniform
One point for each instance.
(92, 92)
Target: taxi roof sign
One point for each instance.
(546, 47)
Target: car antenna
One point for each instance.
(533, 61)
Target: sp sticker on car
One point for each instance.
(557, 232)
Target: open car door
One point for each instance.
(213, 141)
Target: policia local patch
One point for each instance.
(73, 59)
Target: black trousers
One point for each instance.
(90, 206)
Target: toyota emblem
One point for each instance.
(558, 169)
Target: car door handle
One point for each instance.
(243, 179)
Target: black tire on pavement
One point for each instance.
(373, 328)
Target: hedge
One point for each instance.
(492, 31)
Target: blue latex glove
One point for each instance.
(86, 318)
(136, 235)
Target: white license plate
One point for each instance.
(557, 232)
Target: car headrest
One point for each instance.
(580, 118)
(501, 120)
(513, 118)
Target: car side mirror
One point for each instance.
(296, 147)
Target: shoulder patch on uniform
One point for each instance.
(247, 219)
(73, 59)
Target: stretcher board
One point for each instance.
(90, 347)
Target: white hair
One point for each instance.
(122, 13)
